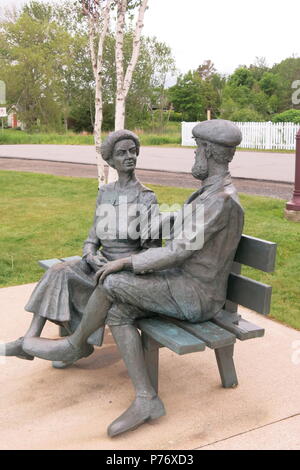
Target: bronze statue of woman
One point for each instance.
(63, 292)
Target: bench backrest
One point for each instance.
(258, 254)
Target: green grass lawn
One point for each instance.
(13, 137)
(171, 136)
(168, 137)
(46, 216)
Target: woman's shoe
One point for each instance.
(56, 349)
(15, 348)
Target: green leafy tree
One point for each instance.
(246, 115)
(218, 83)
(269, 83)
(242, 77)
(258, 68)
(287, 71)
(192, 96)
(291, 115)
(163, 67)
(206, 70)
(213, 86)
(186, 97)
(36, 56)
(251, 94)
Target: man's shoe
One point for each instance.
(15, 348)
(56, 349)
(141, 410)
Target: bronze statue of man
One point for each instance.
(183, 280)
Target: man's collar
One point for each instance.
(210, 185)
(217, 180)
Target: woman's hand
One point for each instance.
(95, 262)
(112, 267)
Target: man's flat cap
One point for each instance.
(218, 131)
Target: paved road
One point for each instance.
(257, 165)
(165, 178)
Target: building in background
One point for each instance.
(12, 118)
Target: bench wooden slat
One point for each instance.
(257, 253)
(232, 306)
(170, 335)
(47, 263)
(243, 330)
(214, 336)
(249, 293)
(71, 258)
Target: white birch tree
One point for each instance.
(124, 77)
(98, 13)
(98, 16)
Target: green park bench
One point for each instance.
(221, 332)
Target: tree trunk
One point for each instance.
(124, 79)
(66, 120)
(120, 96)
(119, 125)
(120, 112)
(98, 17)
(97, 132)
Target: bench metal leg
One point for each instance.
(151, 353)
(226, 367)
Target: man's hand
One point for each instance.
(95, 262)
(112, 267)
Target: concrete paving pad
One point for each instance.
(44, 408)
(283, 435)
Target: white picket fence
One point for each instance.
(256, 135)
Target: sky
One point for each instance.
(230, 33)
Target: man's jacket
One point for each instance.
(197, 275)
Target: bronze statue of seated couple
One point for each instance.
(126, 274)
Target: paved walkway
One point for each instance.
(45, 408)
(257, 165)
